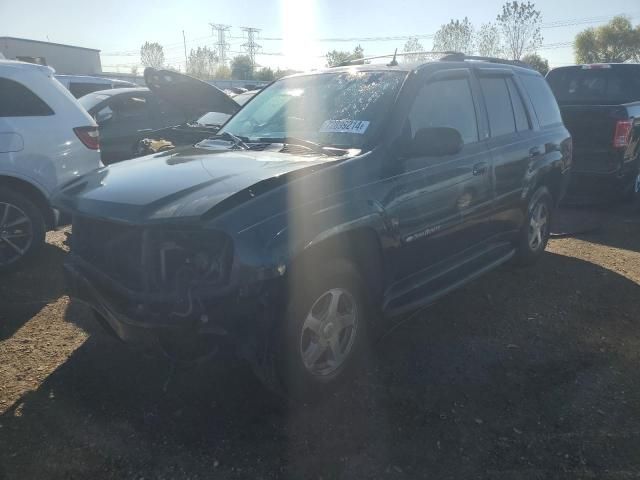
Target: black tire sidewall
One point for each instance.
(525, 255)
(37, 221)
(296, 380)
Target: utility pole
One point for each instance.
(222, 44)
(184, 42)
(251, 46)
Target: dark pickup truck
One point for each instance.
(600, 105)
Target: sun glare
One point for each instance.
(299, 33)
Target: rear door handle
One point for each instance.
(480, 168)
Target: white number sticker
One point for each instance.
(344, 126)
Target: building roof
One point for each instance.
(48, 43)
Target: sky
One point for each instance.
(293, 33)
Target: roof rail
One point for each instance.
(362, 61)
(460, 57)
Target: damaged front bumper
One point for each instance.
(157, 323)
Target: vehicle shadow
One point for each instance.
(615, 225)
(523, 374)
(25, 292)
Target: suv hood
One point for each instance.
(193, 96)
(180, 184)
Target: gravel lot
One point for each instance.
(524, 374)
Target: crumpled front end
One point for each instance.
(174, 288)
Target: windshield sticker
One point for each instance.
(345, 126)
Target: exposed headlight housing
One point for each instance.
(191, 258)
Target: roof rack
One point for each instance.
(460, 57)
(362, 61)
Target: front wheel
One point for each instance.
(534, 234)
(325, 335)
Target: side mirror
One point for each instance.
(104, 115)
(436, 142)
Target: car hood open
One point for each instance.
(193, 96)
(180, 184)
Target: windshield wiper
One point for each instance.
(237, 141)
(313, 146)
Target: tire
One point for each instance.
(533, 237)
(325, 334)
(22, 229)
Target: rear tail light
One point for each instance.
(89, 136)
(623, 130)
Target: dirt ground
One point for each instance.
(523, 374)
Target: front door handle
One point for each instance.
(480, 168)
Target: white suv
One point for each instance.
(46, 139)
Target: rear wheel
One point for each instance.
(22, 229)
(535, 232)
(326, 331)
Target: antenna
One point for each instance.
(393, 62)
(222, 44)
(251, 46)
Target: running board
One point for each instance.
(446, 281)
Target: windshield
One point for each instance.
(340, 109)
(91, 100)
(213, 118)
(577, 85)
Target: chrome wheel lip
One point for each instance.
(16, 233)
(329, 332)
(538, 225)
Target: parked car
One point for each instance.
(127, 115)
(188, 133)
(80, 85)
(330, 204)
(600, 105)
(46, 139)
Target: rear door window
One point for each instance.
(16, 100)
(446, 103)
(499, 109)
(544, 103)
(130, 106)
(519, 110)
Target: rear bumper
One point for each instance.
(593, 186)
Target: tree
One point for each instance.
(241, 68)
(201, 63)
(134, 70)
(222, 73)
(520, 24)
(488, 41)
(283, 73)
(455, 36)
(413, 45)
(537, 62)
(337, 57)
(614, 42)
(265, 75)
(152, 55)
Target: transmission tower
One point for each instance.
(251, 46)
(222, 45)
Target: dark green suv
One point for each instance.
(330, 204)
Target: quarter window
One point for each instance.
(496, 95)
(16, 100)
(446, 103)
(544, 103)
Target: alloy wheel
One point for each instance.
(329, 332)
(538, 225)
(16, 233)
